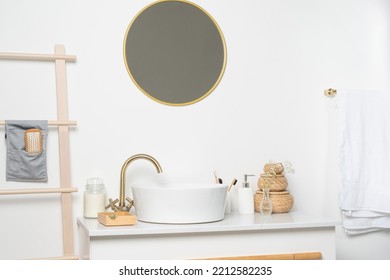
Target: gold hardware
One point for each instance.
(331, 92)
(122, 196)
(112, 205)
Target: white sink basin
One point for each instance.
(179, 203)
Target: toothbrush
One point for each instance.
(215, 176)
(217, 179)
(232, 184)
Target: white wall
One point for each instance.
(269, 105)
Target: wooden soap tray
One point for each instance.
(117, 218)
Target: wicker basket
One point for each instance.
(282, 202)
(278, 168)
(276, 183)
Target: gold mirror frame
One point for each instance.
(222, 65)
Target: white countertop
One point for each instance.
(231, 222)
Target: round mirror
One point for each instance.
(175, 52)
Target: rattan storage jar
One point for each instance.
(282, 202)
(275, 183)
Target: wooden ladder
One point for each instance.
(60, 58)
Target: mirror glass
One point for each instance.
(175, 52)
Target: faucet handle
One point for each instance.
(111, 203)
(131, 202)
(126, 208)
(119, 208)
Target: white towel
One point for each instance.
(364, 131)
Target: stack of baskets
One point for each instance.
(273, 178)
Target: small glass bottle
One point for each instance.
(94, 197)
(266, 203)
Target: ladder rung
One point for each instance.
(59, 123)
(37, 57)
(36, 191)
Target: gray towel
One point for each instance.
(22, 166)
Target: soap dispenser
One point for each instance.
(246, 197)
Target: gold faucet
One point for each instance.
(122, 198)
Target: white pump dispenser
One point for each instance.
(246, 197)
